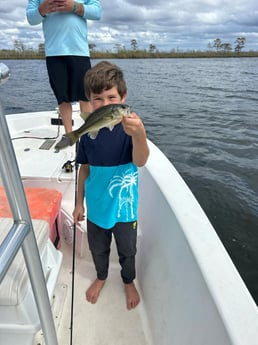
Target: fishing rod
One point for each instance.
(74, 244)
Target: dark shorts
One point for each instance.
(99, 239)
(66, 74)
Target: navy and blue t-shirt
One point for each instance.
(112, 186)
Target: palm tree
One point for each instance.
(125, 184)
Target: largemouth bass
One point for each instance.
(107, 116)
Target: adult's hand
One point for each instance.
(50, 6)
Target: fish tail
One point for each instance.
(67, 139)
(73, 137)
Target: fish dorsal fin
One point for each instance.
(85, 115)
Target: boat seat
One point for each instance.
(43, 204)
(18, 313)
(15, 283)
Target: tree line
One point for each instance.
(215, 49)
(218, 45)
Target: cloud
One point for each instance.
(183, 25)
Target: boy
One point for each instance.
(108, 177)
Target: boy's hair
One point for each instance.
(104, 76)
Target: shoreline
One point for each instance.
(14, 55)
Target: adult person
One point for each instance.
(66, 48)
(108, 178)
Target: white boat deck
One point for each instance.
(104, 323)
(47, 164)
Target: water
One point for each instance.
(202, 113)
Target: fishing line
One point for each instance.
(74, 245)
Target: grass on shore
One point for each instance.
(130, 54)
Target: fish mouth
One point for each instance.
(63, 143)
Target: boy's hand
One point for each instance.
(133, 125)
(78, 214)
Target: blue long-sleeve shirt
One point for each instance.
(65, 33)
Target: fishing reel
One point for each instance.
(68, 166)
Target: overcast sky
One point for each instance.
(169, 25)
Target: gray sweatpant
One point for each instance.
(99, 239)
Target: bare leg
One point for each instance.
(85, 107)
(132, 296)
(92, 294)
(66, 113)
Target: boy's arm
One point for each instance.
(78, 213)
(134, 127)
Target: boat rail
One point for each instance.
(21, 234)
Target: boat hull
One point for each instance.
(192, 292)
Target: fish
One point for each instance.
(106, 116)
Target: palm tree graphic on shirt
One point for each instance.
(125, 183)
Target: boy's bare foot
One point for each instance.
(92, 294)
(132, 296)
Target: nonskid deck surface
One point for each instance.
(108, 322)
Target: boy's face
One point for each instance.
(106, 97)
